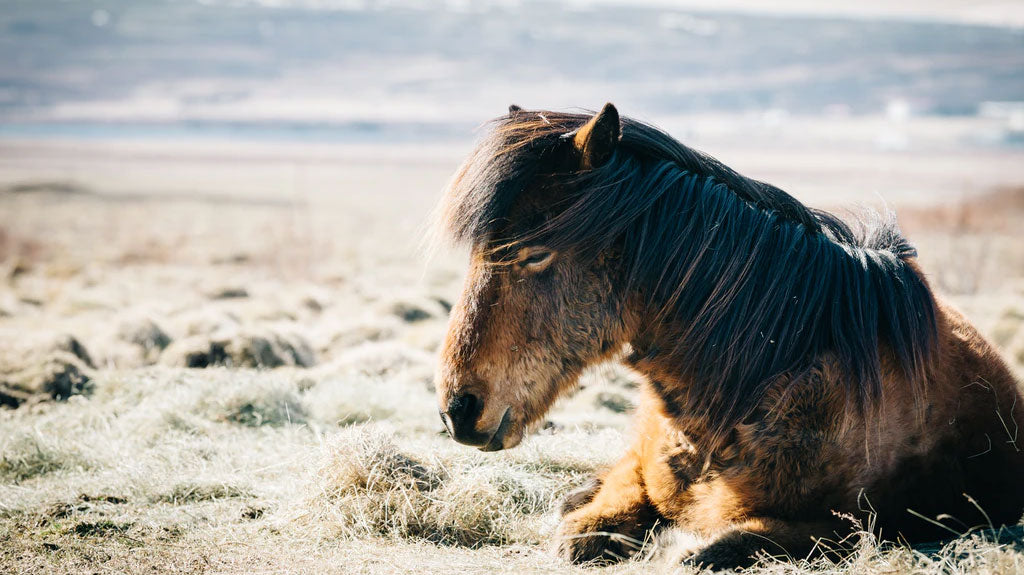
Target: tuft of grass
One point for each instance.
(259, 402)
(190, 492)
(349, 400)
(29, 455)
(386, 359)
(413, 308)
(353, 397)
(367, 486)
(101, 528)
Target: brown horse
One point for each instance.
(796, 370)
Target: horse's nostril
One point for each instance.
(461, 415)
(448, 426)
(464, 409)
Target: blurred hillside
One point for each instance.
(412, 71)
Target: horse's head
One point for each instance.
(533, 313)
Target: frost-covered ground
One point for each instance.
(247, 334)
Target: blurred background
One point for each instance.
(429, 71)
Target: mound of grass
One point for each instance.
(259, 402)
(270, 349)
(386, 359)
(367, 486)
(101, 528)
(258, 349)
(56, 376)
(413, 308)
(29, 455)
(343, 402)
(348, 396)
(57, 187)
(146, 334)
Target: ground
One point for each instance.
(218, 358)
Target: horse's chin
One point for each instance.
(508, 442)
(509, 433)
(515, 425)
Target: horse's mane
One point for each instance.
(760, 284)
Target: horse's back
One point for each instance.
(988, 417)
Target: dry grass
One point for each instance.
(309, 441)
(972, 245)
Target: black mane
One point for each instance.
(761, 283)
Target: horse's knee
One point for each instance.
(580, 496)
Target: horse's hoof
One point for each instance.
(584, 540)
(720, 556)
(589, 548)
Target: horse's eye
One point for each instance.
(535, 259)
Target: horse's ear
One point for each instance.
(597, 139)
(513, 109)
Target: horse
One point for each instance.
(798, 371)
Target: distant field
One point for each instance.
(248, 335)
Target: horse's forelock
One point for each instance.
(501, 165)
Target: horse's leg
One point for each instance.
(581, 496)
(608, 522)
(739, 546)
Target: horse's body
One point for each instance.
(782, 479)
(796, 373)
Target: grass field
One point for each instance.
(220, 363)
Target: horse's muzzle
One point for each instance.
(461, 417)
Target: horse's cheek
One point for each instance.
(582, 306)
